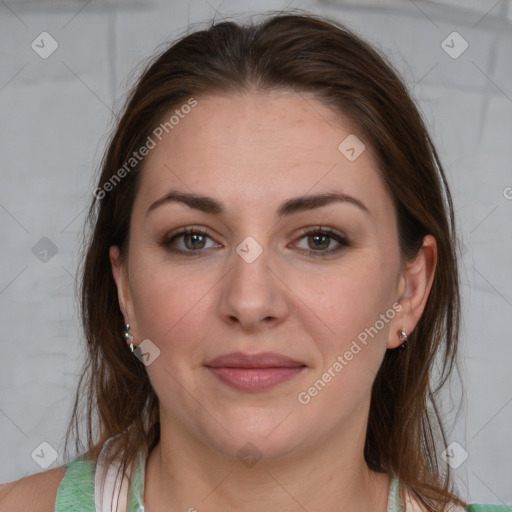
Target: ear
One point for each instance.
(413, 290)
(124, 295)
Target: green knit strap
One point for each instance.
(76, 490)
(394, 502)
(475, 507)
(136, 489)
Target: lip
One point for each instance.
(261, 360)
(254, 372)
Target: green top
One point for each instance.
(76, 491)
(488, 508)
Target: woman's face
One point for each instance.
(257, 281)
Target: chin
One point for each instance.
(256, 436)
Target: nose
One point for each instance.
(254, 294)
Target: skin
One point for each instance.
(36, 492)
(252, 152)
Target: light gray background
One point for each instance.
(56, 114)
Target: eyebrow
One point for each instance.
(294, 205)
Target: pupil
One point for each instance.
(317, 237)
(196, 238)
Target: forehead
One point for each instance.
(254, 147)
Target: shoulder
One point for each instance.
(476, 507)
(36, 492)
(413, 506)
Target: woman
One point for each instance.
(271, 272)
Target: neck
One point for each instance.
(185, 474)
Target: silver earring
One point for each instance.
(403, 338)
(127, 336)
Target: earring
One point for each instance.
(403, 337)
(127, 336)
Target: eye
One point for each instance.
(318, 239)
(193, 240)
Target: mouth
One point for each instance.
(254, 372)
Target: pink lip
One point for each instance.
(254, 372)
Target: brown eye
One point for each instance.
(318, 240)
(196, 241)
(188, 241)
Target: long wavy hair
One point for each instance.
(303, 53)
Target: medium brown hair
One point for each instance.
(304, 53)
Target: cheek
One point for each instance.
(346, 300)
(350, 340)
(172, 309)
(347, 325)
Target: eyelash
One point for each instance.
(167, 241)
